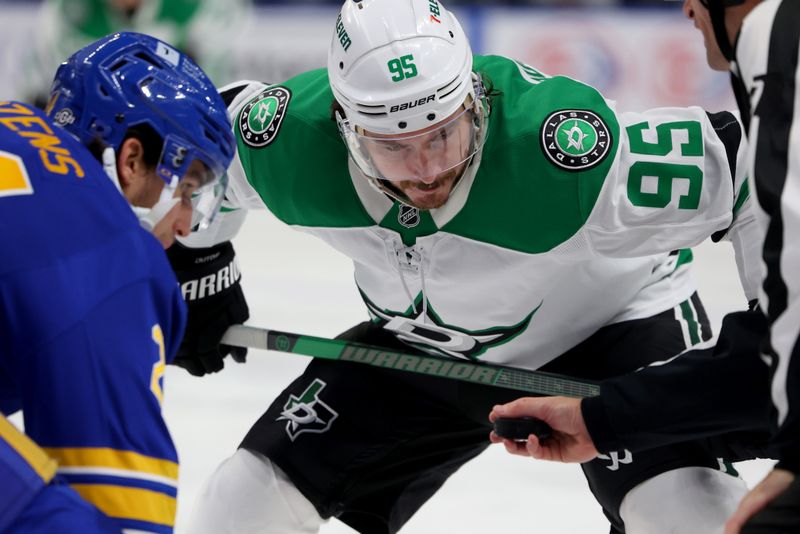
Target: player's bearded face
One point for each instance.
(424, 166)
(431, 193)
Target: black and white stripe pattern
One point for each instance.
(774, 86)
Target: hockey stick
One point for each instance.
(536, 382)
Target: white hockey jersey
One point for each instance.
(542, 242)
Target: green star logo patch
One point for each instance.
(575, 139)
(260, 120)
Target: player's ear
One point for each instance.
(131, 167)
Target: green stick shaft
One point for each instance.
(535, 382)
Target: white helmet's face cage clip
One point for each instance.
(424, 154)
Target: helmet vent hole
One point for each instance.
(378, 110)
(103, 90)
(431, 116)
(118, 65)
(451, 34)
(450, 88)
(145, 83)
(341, 65)
(120, 118)
(210, 131)
(402, 125)
(148, 58)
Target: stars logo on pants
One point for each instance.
(307, 413)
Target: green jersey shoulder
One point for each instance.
(549, 148)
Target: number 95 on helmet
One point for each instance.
(128, 80)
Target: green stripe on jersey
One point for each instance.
(688, 315)
(744, 193)
(684, 256)
(529, 73)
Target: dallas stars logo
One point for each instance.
(436, 337)
(307, 413)
(575, 139)
(260, 119)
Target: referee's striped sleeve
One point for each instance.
(775, 131)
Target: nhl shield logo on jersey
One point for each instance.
(307, 413)
(575, 139)
(260, 119)
(408, 216)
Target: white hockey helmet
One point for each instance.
(381, 91)
(399, 68)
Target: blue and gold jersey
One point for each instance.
(90, 313)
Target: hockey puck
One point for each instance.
(518, 429)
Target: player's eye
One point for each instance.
(393, 147)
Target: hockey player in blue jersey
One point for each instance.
(91, 311)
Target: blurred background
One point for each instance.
(641, 54)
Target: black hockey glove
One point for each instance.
(209, 279)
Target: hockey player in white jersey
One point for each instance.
(492, 213)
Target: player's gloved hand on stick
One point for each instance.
(209, 279)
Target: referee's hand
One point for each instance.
(758, 498)
(570, 441)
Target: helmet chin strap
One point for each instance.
(716, 11)
(110, 166)
(148, 217)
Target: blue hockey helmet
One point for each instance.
(129, 79)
